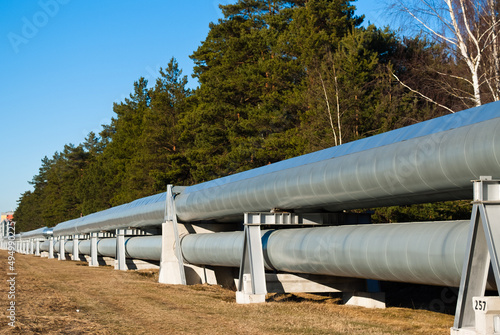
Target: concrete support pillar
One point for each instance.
(171, 262)
(76, 253)
(171, 268)
(37, 247)
(51, 247)
(62, 252)
(93, 250)
(120, 259)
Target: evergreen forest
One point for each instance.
(276, 79)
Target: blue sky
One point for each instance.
(65, 62)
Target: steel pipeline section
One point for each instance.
(425, 253)
(430, 161)
(143, 247)
(37, 233)
(420, 252)
(144, 212)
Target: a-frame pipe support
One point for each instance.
(37, 247)
(482, 250)
(51, 247)
(171, 260)
(121, 254)
(62, 252)
(252, 278)
(94, 261)
(76, 252)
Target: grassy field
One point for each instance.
(66, 297)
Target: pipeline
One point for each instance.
(420, 252)
(143, 247)
(144, 212)
(423, 253)
(40, 233)
(430, 161)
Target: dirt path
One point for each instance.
(66, 297)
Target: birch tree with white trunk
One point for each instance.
(469, 30)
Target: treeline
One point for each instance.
(277, 79)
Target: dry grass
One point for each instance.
(49, 293)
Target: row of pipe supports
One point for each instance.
(26, 246)
(483, 241)
(171, 262)
(252, 279)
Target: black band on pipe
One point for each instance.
(265, 239)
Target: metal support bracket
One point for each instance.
(252, 279)
(252, 287)
(62, 252)
(171, 260)
(51, 247)
(37, 247)
(120, 260)
(75, 252)
(482, 251)
(94, 260)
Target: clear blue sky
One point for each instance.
(64, 63)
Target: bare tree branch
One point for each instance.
(328, 108)
(469, 30)
(422, 95)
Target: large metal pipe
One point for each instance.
(429, 161)
(84, 247)
(425, 253)
(420, 252)
(36, 233)
(141, 247)
(44, 246)
(146, 247)
(68, 247)
(144, 212)
(106, 247)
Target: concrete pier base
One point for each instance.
(365, 299)
(296, 283)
